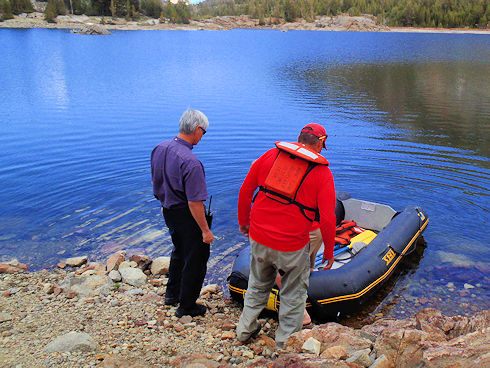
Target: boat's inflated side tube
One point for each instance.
(354, 282)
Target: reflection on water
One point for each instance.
(441, 103)
(407, 118)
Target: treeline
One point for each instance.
(404, 13)
(129, 9)
(10, 7)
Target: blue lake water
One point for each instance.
(408, 119)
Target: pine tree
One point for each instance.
(50, 12)
(5, 10)
(128, 10)
(113, 9)
(21, 6)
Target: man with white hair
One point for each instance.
(179, 184)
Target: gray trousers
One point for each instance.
(265, 262)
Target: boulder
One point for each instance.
(330, 334)
(92, 29)
(312, 346)
(381, 362)
(88, 286)
(76, 261)
(114, 261)
(92, 266)
(160, 266)
(143, 262)
(404, 347)
(133, 276)
(211, 289)
(13, 266)
(71, 342)
(115, 276)
(126, 264)
(470, 350)
(334, 352)
(433, 340)
(299, 361)
(361, 358)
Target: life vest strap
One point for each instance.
(288, 201)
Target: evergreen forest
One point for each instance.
(403, 13)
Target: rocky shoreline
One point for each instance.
(86, 314)
(85, 24)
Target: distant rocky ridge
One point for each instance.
(113, 315)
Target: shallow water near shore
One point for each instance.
(407, 117)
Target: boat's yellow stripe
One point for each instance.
(237, 290)
(242, 292)
(370, 286)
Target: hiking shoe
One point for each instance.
(171, 301)
(253, 335)
(198, 310)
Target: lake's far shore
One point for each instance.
(325, 23)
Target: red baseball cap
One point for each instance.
(317, 130)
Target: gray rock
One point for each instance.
(360, 357)
(76, 261)
(160, 266)
(70, 342)
(4, 317)
(124, 264)
(115, 276)
(137, 291)
(88, 286)
(132, 276)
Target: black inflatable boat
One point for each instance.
(363, 263)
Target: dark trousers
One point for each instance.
(188, 259)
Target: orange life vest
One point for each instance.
(346, 231)
(293, 163)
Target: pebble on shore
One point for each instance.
(78, 317)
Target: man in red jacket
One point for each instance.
(291, 195)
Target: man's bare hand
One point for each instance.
(328, 265)
(207, 237)
(244, 229)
